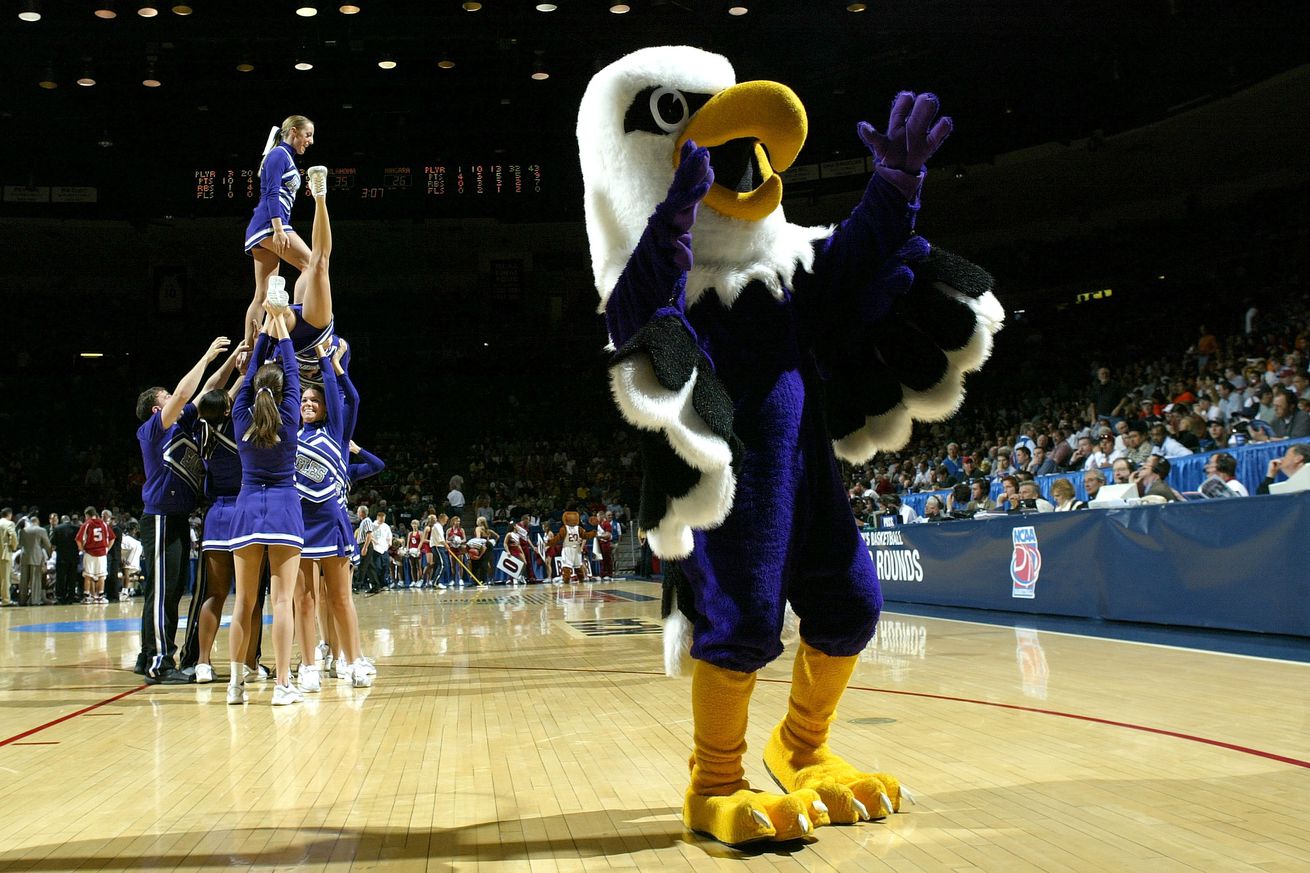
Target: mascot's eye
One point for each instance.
(668, 108)
(661, 110)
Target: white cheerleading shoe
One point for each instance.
(236, 695)
(277, 293)
(308, 679)
(204, 674)
(341, 669)
(285, 695)
(361, 677)
(317, 180)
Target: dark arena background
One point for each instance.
(1120, 688)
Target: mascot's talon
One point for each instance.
(906, 794)
(887, 804)
(820, 806)
(748, 816)
(862, 810)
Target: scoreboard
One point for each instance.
(415, 187)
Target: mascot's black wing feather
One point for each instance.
(662, 370)
(909, 362)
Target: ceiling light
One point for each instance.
(87, 79)
(31, 11)
(107, 10)
(307, 11)
(446, 64)
(539, 73)
(182, 9)
(546, 7)
(105, 141)
(738, 9)
(92, 355)
(151, 78)
(348, 9)
(387, 62)
(620, 8)
(856, 7)
(147, 10)
(48, 79)
(303, 65)
(245, 67)
(472, 6)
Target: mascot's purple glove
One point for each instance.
(654, 282)
(672, 221)
(909, 141)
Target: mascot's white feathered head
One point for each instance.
(635, 116)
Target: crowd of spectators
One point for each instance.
(1248, 383)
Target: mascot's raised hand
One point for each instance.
(909, 141)
(654, 283)
(675, 216)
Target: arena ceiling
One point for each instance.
(1013, 73)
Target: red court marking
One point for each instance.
(39, 743)
(1295, 762)
(16, 737)
(1246, 750)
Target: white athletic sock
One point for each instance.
(237, 677)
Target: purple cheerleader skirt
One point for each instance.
(260, 228)
(327, 531)
(220, 518)
(268, 515)
(306, 337)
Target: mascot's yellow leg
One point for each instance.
(798, 755)
(720, 802)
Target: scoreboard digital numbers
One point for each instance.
(415, 187)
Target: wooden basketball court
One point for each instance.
(531, 730)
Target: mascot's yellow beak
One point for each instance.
(753, 131)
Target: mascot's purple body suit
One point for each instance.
(751, 353)
(790, 535)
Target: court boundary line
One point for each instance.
(1221, 744)
(1234, 747)
(1112, 639)
(16, 737)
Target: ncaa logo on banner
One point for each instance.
(1025, 562)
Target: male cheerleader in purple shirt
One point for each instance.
(174, 474)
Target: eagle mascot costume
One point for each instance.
(751, 353)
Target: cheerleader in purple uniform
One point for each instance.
(270, 238)
(322, 480)
(218, 448)
(268, 519)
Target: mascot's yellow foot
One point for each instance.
(798, 756)
(749, 816)
(850, 795)
(720, 801)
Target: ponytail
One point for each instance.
(274, 137)
(265, 433)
